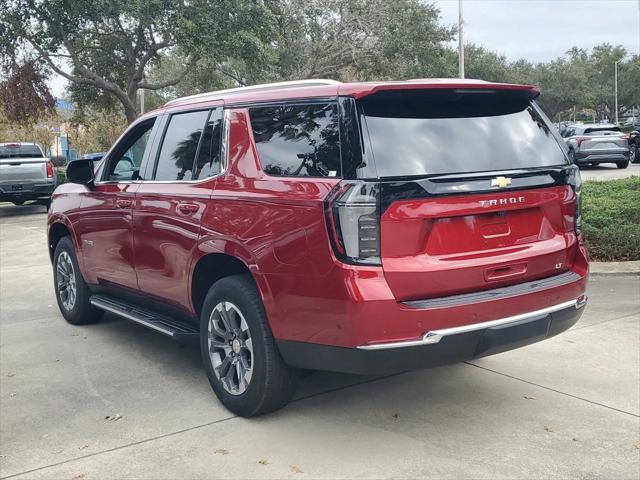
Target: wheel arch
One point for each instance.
(211, 267)
(57, 231)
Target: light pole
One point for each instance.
(141, 101)
(615, 79)
(460, 41)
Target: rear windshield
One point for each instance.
(20, 151)
(601, 131)
(594, 133)
(455, 131)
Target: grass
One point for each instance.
(611, 219)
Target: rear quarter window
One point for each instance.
(20, 151)
(297, 140)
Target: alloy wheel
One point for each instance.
(66, 280)
(230, 347)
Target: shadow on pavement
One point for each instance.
(10, 210)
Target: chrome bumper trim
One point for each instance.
(434, 336)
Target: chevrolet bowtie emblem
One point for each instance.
(500, 182)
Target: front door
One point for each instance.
(170, 205)
(105, 226)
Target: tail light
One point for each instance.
(49, 170)
(576, 184)
(579, 140)
(353, 218)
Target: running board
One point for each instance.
(180, 331)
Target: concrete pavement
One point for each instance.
(567, 407)
(609, 171)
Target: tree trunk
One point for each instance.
(130, 110)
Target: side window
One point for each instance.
(208, 161)
(298, 140)
(179, 146)
(124, 164)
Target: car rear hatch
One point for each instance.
(475, 190)
(604, 143)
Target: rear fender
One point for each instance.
(208, 245)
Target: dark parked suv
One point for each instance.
(353, 227)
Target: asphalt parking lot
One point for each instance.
(565, 408)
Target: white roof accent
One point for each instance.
(316, 82)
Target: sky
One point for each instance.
(541, 30)
(536, 30)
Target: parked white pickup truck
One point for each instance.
(25, 174)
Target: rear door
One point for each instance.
(170, 203)
(474, 192)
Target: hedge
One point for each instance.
(611, 219)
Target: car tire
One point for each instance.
(72, 292)
(622, 164)
(240, 355)
(18, 202)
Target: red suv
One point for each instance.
(354, 227)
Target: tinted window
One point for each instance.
(124, 162)
(603, 129)
(15, 150)
(297, 140)
(447, 131)
(179, 146)
(208, 160)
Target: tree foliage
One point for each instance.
(24, 94)
(110, 49)
(109, 44)
(40, 132)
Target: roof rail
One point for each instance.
(316, 82)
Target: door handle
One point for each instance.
(188, 208)
(123, 203)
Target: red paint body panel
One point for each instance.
(104, 230)
(451, 245)
(277, 227)
(165, 236)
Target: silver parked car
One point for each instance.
(25, 173)
(591, 144)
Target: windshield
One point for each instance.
(16, 150)
(455, 131)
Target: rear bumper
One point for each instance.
(27, 191)
(602, 156)
(437, 347)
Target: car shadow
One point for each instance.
(600, 166)
(9, 210)
(182, 362)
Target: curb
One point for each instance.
(615, 268)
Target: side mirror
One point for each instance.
(80, 171)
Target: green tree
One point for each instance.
(109, 44)
(599, 71)
(629, 82)
(484, 64)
